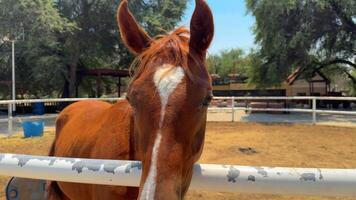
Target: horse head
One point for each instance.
(169, 95)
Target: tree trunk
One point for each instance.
(345, 71)
(72, 80)
(65, 92)
(332, 62)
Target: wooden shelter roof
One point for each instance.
(105, 72)
(295, 75)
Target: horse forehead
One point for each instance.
(166, 79)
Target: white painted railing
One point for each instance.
(313, 110)
(10, 104)
(218, 178)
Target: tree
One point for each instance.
(63, 36)
(33, 25)
(311, 34)
(96, 42)
(227, 62)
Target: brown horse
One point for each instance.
(161, 123)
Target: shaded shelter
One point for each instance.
(99, 73)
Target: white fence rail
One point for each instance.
(312, 110)
(10, 104)
(313, 102)
(218, 178)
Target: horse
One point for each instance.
(161, 122)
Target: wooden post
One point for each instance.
(310, 88)
(77, 89)
(98, 86)
(233, 109)
(119, 87)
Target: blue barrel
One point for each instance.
(38, 108)
(33, 129)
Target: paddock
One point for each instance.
(249, 144)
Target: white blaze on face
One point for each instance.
(166, 79)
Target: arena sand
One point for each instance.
(282, 145)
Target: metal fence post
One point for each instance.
(314, 110)
(233, 109)
(9, 118)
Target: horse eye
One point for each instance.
(207, 100)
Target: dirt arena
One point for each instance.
(282, 145)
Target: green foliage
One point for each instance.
(294, 33)
(158, 16)
(55, 38)
(34, 26)
(96, 42)
(229, 62)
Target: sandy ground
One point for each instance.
(283, 145)
(277, 145)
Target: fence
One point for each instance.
(218, 178)
(313, 102)
(10, 104)
(313, 110)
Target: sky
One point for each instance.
(233, 28)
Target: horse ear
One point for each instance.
(201, 27)
(134, 37)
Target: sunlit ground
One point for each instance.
(282, 145)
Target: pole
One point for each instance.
(9, 118)
(314, 110)
(233, 109)
(13, 76)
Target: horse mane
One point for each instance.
(173, 47)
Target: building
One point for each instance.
(295, 85)
(318, 85)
